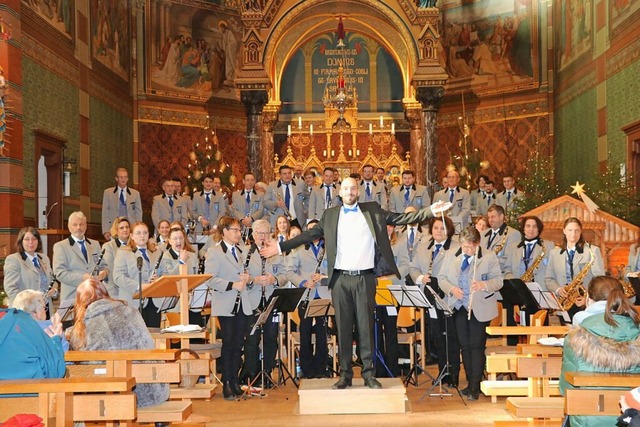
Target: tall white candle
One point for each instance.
(288, 130)
(299, 122)
(311, 130)
(393, 128)
(381, 122)
(370, 128)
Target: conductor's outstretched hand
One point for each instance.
(269, 249)
(438, 207)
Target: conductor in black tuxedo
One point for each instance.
(357, 247)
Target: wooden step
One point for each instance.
(514, 388)
(317, 397)
(166, 412)
(528, 423)
(536, 407)
(199, 391)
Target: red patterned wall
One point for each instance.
(164, 153)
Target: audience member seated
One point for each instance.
(604, 342)
(630, 405)
(33, 303)
(27, 352)
(102, 323)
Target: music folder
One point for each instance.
(409, 296)
(319, 308)
(516, 292)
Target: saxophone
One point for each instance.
(576, 289)
(528, 275)
(499, 247)
(626, 284)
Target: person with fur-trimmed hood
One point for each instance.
(608, 341)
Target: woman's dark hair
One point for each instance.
(568, 221)
(524, 220)
(448, 223)
(20, 238)
(607, 288)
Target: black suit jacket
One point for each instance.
(377, 219)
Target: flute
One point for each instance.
(473, 276)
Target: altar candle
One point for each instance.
(288, 130)
(393, 128)
(311, 130)
(381, 122)
(299, 122)
(370, 128)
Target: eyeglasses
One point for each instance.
(262, 233)
(234, 229)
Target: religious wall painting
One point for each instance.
(193, 52)
(575, 31)
(359, 57)
(58, 13)
(620, 12)
(487, 45)
(110, 35)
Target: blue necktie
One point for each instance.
(143, 251)
(287, 196)
(122, 202)
(571, 254)
(451, 195)
(170, 201)
(84, 250)
(347, 210)
(36, 262)
(406, 195)
(368, 191)
(412, 236)
(281, 239)
(508, 196)
(489, 199)
(248, 199)
(435, 252)
(233, 252)
(465, 262)
(328, 203)
(528, 251)
(207, 197)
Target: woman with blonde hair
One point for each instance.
(120, 232)
(138, 261)
(607, 341)
(104, 323)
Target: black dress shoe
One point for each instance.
(342, 383)
(371, 382)
(465, 391)
(474, 395)
(235, 387)
(227, 392)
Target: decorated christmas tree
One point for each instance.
(206, 158)
(614, 192)
(538, 185)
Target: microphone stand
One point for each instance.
(139, 261)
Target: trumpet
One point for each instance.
(287, 214)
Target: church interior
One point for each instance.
(540, 90)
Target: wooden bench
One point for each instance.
(538, 404)
(603, 400)
(70, 399)
(533, 332)
(111, 363)
(526, 423)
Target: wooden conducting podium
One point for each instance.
(176, 286)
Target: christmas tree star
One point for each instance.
(578, 189)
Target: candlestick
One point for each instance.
(357, 152)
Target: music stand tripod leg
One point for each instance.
(377, 352)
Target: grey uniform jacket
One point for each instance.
(21, 274)
(318, 200)
(297, 200)
(484, 303)
(160, 210)
(378, 193)
(418, 198)
(69, 264)
(424, 264)
(506, 237)
(240, 209)
(461, 203)
(556, 274)
(226, 270)
(218, 206)
(125, 275)
(111, 206)
(110, 250)
(301, 265)
(514, 266)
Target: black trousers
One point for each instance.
(472, 336)
(150, 314)
(440, 327)
(313, 363)
(252, 363)
(354, 301)
(386, 335)
(233, 329)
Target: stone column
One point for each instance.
(413, 114)
(254, 101)
(431, 98)
(269, 119)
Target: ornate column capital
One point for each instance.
(413, 114)
(270, 114)
(430, 97)
(254, 100)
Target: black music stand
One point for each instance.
(262, 319)
(546, 300)
(448, 312)
(200, 298)
(385, 299)
(516, 292)
(412, 296)
(321, 308)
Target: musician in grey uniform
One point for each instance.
(120, 233)
(126, 276)
(307, 187)
(29, 268)
(168, 205)
(500, 236)
(478, 194)
(231, 303)
(633, 263)
(75, 259)
(120, 201)
(285, 195)
(428, 263)
(408, 194)
(207, 206)
(370, 189)
(570, 261)
(324, 196)
(470, 278)
(301, 268)
(488, 198)
(458, 196)
(267, 275)
(508, 199)
(247, 205)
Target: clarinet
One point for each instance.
(95, 269)
(263, 298)
(305, 303)
(155, 269)
(201, 262)
(236, 305)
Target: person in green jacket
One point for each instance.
(604, 342)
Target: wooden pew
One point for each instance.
(70, 399)
(122, 362)
(534, 332)
(538, 403)
(603, 400)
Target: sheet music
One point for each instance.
(545, 299)
(200, 298)
(66, 310)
